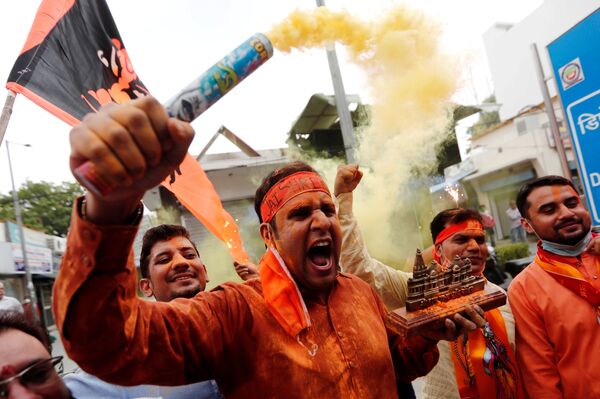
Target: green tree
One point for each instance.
(45, 206)
(487, 120)
(446, 151)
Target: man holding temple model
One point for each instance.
(300, 330)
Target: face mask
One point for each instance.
(567, 250)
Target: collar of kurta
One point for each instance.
(565, 271)
(282, 295)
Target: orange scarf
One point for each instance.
(563, 270)
(490, 360)
(282, 295)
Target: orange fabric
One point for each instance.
(286, 189)
(228, 334)
(557, 336)
(47, 105)
(449, 231)
(485, 385)
(198, 195)
(563, 270)
(46, 18)
(282, 295)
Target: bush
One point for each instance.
(512, 251)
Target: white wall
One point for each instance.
(505, 146)
(509, 54)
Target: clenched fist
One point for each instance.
(133, 147)
(346, 179)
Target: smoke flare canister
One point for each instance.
(199, 95)
(213, 84)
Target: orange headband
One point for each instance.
(468, 225)
(288, 188)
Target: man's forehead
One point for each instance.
(172, 244)
(308, 198)
(19, 350)
(551, 194)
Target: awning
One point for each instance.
(489, 169)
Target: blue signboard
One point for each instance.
(575, 59)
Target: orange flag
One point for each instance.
(195, 191)
(73, 62)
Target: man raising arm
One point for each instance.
(462, 371)
(322, 332)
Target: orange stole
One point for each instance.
(486, 386)
(282, 295)
(562, 269)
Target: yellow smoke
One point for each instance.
(410, 82)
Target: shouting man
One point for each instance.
(300, 330)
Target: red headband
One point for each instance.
(468, 225)
(288, 188)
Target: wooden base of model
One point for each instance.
(416, 322)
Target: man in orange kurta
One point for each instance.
(301, 330)
(556, 299)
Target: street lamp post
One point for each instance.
(29, 284)
(340, 102)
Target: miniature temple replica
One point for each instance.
(433, 284)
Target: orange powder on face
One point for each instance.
(556, 194)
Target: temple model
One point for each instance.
(433, 284)
(435, 293)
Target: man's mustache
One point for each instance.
(567, 222)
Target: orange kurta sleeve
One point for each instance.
(118, 337)
(413, 357)
(535, 352)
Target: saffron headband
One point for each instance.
(468, 225)
(288, 188)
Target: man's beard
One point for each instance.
(187, 292)
(570, 240)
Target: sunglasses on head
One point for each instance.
(36, 375)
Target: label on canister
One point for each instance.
(219, 79)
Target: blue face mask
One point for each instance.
(567, 250)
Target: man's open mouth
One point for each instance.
(320, 255)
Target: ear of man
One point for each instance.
(267, 234)
(527, 226)
(146, 287)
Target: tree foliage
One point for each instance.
(45, 206)
(446, 150)
(486, 119)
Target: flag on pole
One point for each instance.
(73, 62)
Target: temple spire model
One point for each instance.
(434, 283)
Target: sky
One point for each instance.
(171, 43)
